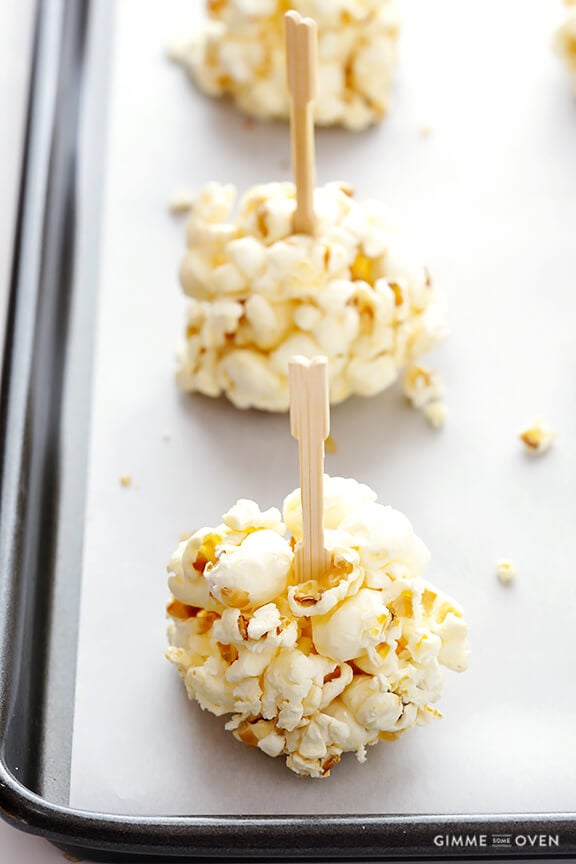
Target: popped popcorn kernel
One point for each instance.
(506, 571)
(240, 52)
(537, 437)
(425, 391)
(311, 671)
(435, 412)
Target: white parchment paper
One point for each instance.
(489, 199)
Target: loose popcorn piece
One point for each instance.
(181, 201)
(537, 438)
(506, 571)
(311, 671)
(241, 52)
(423, 388)
(260, 294)
(435, 413)
(125, 480)
(565, 41)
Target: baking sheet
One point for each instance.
(489, 200)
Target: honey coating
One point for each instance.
(310, 672)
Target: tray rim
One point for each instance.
(51, 139)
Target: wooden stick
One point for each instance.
(301, 61)
(310, 424)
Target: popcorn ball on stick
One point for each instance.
(241, 52)
(310, 424)
(301, 45)
(299, 270)
(322, 642)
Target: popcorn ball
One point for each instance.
(260, 293)
(309, 671)
(241, 52)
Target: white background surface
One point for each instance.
(526, 95)
(490, 199)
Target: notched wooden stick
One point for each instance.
(301, 71)
(310, 425)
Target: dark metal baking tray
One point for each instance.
(39, 587)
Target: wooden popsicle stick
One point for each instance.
(301, 62)
(310, 425)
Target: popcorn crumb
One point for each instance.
(435, 413)
(330, 445)
(424, 390)
(537, 437)
(125, 480)
(181, 201)
(176, 52)
(506, 571)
